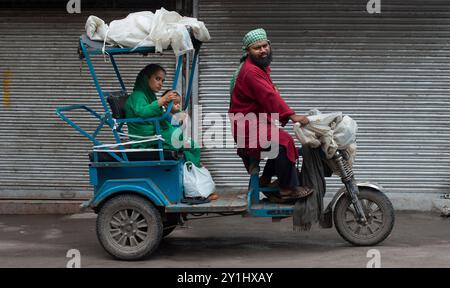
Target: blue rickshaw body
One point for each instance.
(161, 184)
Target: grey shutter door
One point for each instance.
(388, 71)
(41, 156)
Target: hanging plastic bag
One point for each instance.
(180, 40)
(306, 137)
(197, 181)
(319, 131)
(345, 132)
(322, 123)
(331, 131)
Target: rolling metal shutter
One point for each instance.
(41, 156)
(388, 71)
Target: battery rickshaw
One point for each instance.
(138, 193)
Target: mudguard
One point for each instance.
(326, 221)
(144, 187)
(341, 192)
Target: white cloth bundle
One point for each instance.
(331, 131)
(145, 29)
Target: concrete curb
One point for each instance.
(40, 206)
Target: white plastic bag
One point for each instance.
(320, 130)
(198, 28)
(345, 132)
(306, 137)
(322, 123)
(181, 40)
(330, 131)
(197, 181)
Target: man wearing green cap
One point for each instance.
(253, 92)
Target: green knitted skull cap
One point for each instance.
(253, 37)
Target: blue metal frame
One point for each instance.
(191, 80)
(86, 52)
(160, 181)
(255, 206)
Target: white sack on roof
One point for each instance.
(143, 29)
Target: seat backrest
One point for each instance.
(116, 101)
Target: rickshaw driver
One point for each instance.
(252, 91)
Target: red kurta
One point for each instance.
(255, 93)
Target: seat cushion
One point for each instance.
(138, 156)
(116, 101)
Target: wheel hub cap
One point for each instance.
(128, 228)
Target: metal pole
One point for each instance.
(196, 134)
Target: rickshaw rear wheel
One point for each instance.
(129, 227)
(379, 213)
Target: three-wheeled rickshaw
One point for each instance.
(138, 193)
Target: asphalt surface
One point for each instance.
(418, 240)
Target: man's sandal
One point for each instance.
(297, 193)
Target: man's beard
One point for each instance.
(262, 62)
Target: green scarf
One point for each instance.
(141, 85)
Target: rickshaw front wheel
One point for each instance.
(379, 213)
(129, 227)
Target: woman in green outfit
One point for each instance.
(143, 103)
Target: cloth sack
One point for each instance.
(197, 182)
(329, 131)
(345, 132)
(147, 29)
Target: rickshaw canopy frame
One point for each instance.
(88, 48)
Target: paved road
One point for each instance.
(418, 240)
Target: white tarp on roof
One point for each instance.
(144, 29)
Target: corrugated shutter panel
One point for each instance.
(390, 72)
(41, 156)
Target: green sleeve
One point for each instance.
(143, 108)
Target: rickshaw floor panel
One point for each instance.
(227, 202)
